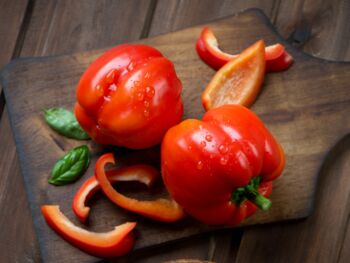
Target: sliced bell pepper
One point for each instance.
(142, 173)
(161, 209)
(111, 244)
(239, 81)
(277, 58)
(221, 168)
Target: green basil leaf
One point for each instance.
(71, 166)
(64, 122)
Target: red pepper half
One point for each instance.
(130, 96)
(221, 167)
(142, 173)
(277, 58)
(161, 209)
(111, 244)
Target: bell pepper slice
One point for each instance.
(207, 46)
(142, 173)
(239, 81)
(110, 244)
(164, 210)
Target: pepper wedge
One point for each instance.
(239, 81)
(161, 209)
(111, 244)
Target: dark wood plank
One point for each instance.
(295, 120)
(344, 253)
(64, 27)
(18, 242)
(320, 28)
(53, 29)
(173, 15)
(11, 18)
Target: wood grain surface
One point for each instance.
(317, 27)
(294, 119)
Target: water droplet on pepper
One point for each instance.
(200, 165)
(223, 160)
(140, 96)
(146, 113)
(208, 137)
(223, 149)
(150, 92)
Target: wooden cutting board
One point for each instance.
(307, 108)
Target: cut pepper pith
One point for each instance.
(239, 81)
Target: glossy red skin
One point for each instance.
(130, 96)
(103, 245)
(201, 175)
(141, 173)
(277, 58)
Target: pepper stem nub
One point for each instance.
(259, 200)
(251, 193)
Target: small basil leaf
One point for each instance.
(71, 166)
(64, 122)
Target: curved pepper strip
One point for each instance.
(211, 167)
(142, 173)
(111, 244)
(161, 209)
(276, 57)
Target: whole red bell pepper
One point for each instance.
(276, 57)
(221, 167)
(130, 96)
(110, 244)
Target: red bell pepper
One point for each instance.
(221, 167)
(277, 58)
(161, 209)
(142, 173)
(130, 96)
(111, 244)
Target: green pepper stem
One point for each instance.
(259, 200)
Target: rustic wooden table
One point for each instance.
(48, 27)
